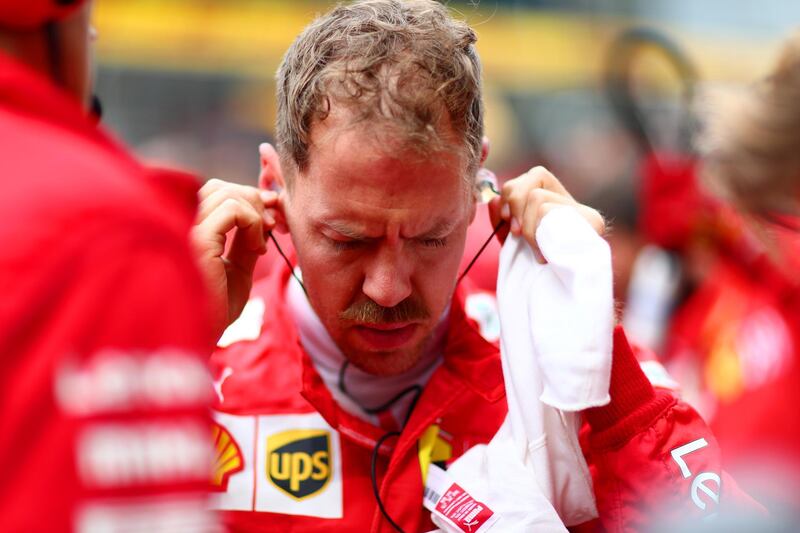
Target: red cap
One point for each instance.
(28, 14)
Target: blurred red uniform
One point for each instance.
(733, 343)
(102, 327)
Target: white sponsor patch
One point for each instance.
(116, 381)
(122, 454)
(299, 465)
(167, 514)
(290, 464)
(236, 489)
(247, 327)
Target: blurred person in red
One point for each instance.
(752, 158)
(705, 294)
(707, 298)
(338, 381)
(103, 319)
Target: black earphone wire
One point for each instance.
(373, 476)
(480, 251)
(288, 263)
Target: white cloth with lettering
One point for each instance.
(557, 323)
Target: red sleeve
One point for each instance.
(654, 460)
(104, 418)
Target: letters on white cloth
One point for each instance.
(556, 324)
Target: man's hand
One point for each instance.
(245, 214)
(525, 200)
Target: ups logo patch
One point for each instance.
(299, 461)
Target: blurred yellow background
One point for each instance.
(190, 82)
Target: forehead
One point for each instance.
(363, 170)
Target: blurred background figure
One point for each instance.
(192, 84)
(752, 158)
(710, 297)
(103, 326)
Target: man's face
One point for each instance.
(379, 231)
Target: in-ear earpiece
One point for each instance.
(486, 185)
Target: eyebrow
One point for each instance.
(343, 229)
(440, 229)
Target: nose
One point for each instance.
(387, 279)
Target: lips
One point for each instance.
(384, 337)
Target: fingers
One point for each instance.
(539, 203)
(246, 215)
(527, 199)
(528, 191)
(595, 219)
(232, 213)
(215, 192)
(538, 177)
(242, 257)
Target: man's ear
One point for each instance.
(484, 149)
(270, 176)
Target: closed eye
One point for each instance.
(435, 243)
(342, 245)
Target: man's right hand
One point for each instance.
(246, 215)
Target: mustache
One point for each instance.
(367, 311)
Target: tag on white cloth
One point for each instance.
(435, 485)
(453, 505)
(556, 322)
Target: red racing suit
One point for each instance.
(103, 326)
(289, 458)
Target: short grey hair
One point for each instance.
(407, 63)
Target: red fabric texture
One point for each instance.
(653, 459)
(95, 270)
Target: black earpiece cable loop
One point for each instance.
(480, 251)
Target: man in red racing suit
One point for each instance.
(343, 378)
(652, 457)
(103, 320)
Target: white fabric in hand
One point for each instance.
(557, 324)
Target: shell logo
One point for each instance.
(228, 458)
